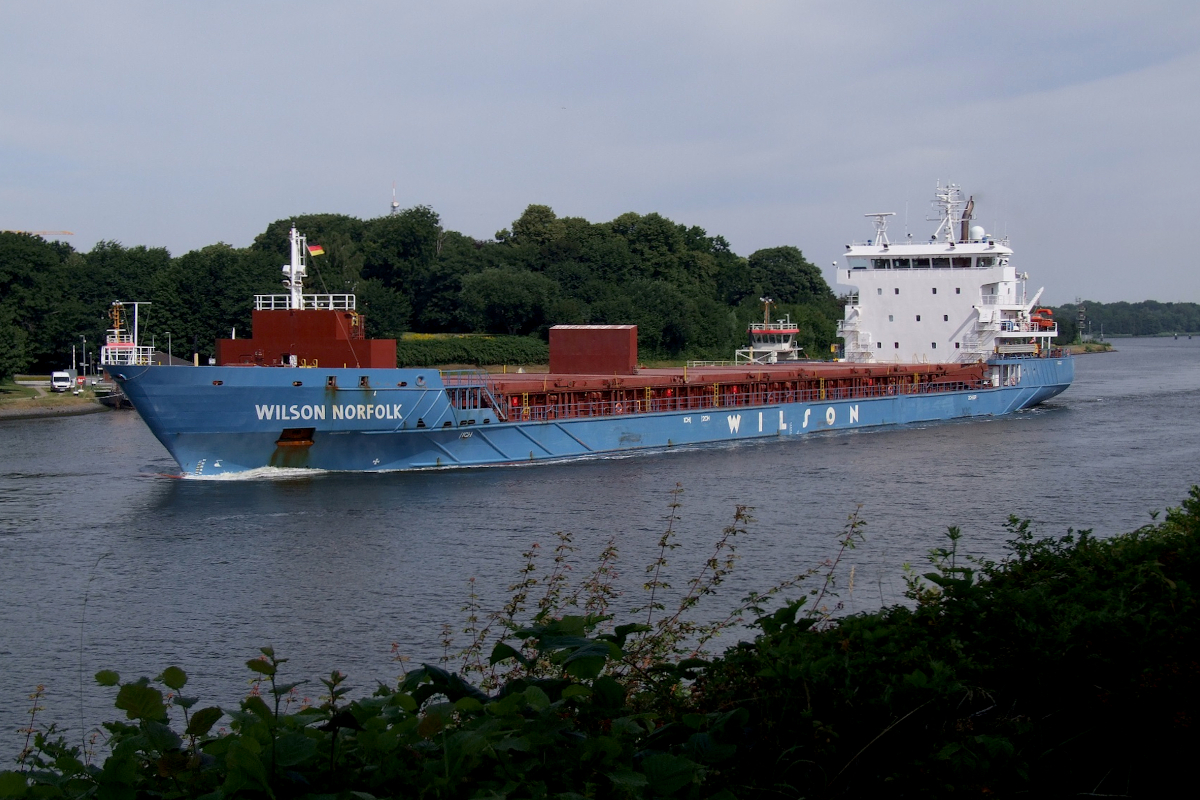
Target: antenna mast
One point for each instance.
(881, 223)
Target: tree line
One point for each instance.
(1147, 318)
(689, 294)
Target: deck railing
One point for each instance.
(309, 302)
(518, 411)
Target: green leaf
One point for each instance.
(12, 784)
(586, 668)
(173, 677)
(244, 765)
(106, 677)
(140, 702)
(257, 706)
(468, 705)
(202, 721)
(609, 691)
(667, 773)
(294, 748)
(576, 690)
(161, 737)
(628, 779)
(261, 667)
(405, 701)
(536, 698)
(504, 651)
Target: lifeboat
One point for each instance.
(1043, 318)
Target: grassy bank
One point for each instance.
(1089, 347)
(1069, 667)
(19, 401)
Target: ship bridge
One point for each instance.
(953, 297)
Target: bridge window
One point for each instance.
(891, 318)
(920, 263)
(902, 263)
(933, 346)
(945, 317)
(987, 261)
(957, 290)
(897, 290)
(880, 345)
(858, 263)
(941, 262)
(879, 290)
(896, 345)
(918, 317)
(935, 290)
(960, 262)
(881, 263)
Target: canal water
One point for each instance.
(109, 564)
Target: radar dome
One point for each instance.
(977, 233)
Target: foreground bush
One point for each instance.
(1069, 668)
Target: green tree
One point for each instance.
(206, 293)
(785, 275)
(538, 226)
(507, 300)
(12, 345)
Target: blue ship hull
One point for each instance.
(217, 420)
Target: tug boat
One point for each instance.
(934, 330)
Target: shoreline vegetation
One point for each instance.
(1067, 667)
(1089, 347)
(22, 401)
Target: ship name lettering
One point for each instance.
(366, 411)
(735, 422)
(284, 413)
(854, 413)
(687, 420)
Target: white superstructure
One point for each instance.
(955, 297)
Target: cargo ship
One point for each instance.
(933, 330)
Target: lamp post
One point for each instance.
(83, 358)
(168, 348)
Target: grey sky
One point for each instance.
(1074, 124)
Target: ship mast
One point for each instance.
(949, 203)
(295, 271)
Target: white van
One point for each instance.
(60, 381)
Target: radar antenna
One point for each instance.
(881, 225)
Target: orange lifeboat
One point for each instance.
(1043, 318)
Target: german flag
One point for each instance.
(316, 250)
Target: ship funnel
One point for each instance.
(966, 218)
